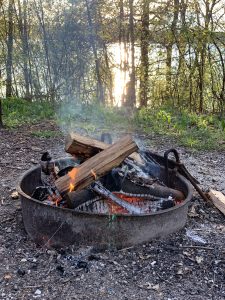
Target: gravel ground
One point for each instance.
(187, 265)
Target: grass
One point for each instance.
(18, 112)
(45, 133)
(200, 132)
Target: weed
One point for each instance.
(45, 133)
(195, 131)
(18, 111)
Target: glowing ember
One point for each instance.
(116, 209)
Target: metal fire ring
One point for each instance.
(59, 227)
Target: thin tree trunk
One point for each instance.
(169, 47)
(100, 90)
(131, 91)
(22, 20)
(144, 87)
(9, 60)
(1, 121)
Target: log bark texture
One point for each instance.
(97, 166)
(85, 147)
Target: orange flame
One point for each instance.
(72, 174)
(94, 174)
(72, 186)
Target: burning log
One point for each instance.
(86, 147)
(97, 166)
(102, 191)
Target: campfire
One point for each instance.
(111, 178)
(114, 181)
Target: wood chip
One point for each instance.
(218, 199)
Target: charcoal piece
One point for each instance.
(82, 265)
(167, 204)
(112, 181)
(80, 197)
(21, 272)
(40, 193)
(93, 257)
(60, 269)
(64, 171)
(46, 156)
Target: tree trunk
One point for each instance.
(22, 19)
(1, 122)
(169, 47)
(144, 87)
(131, 91)
(100, 90)
(9, 60)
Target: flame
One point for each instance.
(94, 174)
(72, 174)
(72, 187)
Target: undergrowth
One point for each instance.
(202, 132)
(18, 111)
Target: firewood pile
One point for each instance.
(118, 175)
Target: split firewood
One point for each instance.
(96, 166)
(86, 147)
(218, 199)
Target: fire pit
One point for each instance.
(91, 223)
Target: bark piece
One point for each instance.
(97, 166)
(218, 199)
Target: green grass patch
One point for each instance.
(18, 111)
(45, 133)
(201, 132)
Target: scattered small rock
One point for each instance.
(21, 272)
(15, 195)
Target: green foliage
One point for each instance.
(202, 132)
(45, 133)
(18, 111)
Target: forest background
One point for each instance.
(161, 64)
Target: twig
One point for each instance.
(32, 286)
(197, 247)
(12, 167)
(7, 220)
(163, 279)
(127, 248)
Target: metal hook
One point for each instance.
(166, 154)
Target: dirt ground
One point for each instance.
(187, 265)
